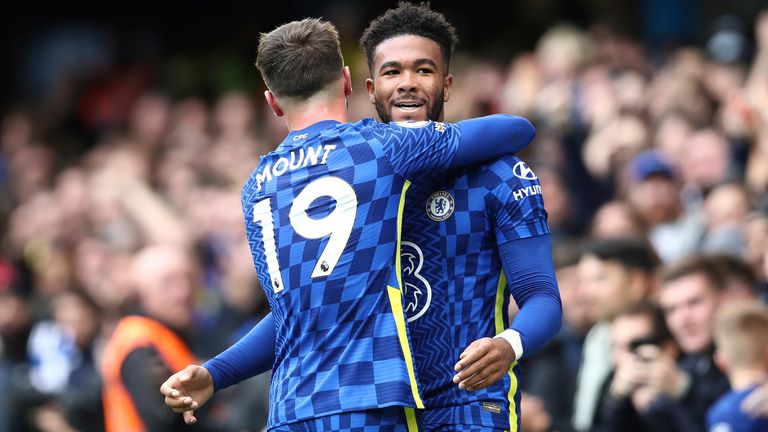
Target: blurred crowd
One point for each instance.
(654, 170)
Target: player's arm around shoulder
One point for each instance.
(492, 136)
(421, 146)
(413, 148)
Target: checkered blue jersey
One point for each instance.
(455, 291)
(322, 216)
(726, 415)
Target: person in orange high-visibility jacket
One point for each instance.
(146, 348)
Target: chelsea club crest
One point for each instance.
(440, 206)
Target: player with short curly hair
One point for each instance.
(471, 238)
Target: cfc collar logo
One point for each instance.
(521, 170)
(440, 206)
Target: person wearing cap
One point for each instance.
(654, 192)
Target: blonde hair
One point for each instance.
(741, 334)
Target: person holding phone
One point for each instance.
(613, 274)
(642, 345)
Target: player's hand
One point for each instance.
(756, 404)
(483, 363)
(188, 390)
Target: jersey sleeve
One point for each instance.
(417, 147)
(253, 354)
(514, 200)
(530, 274)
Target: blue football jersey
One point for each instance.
(323, 216)
(454, 288)
(726, 415)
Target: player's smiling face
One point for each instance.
(410, 79)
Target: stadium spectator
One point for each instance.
(741, 337)
(15, 326)
(755, 233)
(548, 379)
(705, 160)
(146, 348)
(617, 219)
(653, 191)
(739, 280)
(725, 210)
(691, 293)
(563, 226)
(64, 372)
(613, 273)
(639, 336)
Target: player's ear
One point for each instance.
(447, 84)
(273, 103)
(371, 90)
(347, 81)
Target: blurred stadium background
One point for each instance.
(128, 124)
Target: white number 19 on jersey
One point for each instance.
(337, 224)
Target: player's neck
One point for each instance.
(743, 378)
(317, 111)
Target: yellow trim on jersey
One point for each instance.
(396, 302)
(499, 319)
(410, 418)
(400, 208)
(500, 302)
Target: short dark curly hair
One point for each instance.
(410, 19)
